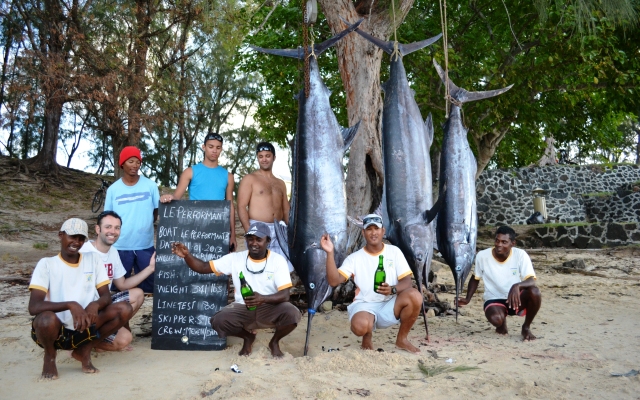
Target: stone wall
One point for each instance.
(585, 236)
(590, 193)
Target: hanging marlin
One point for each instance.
(457, 223)
(407, 197)
(318, 199)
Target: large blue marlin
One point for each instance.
(457, 223)
(406, 139)
(318, 199)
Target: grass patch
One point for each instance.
(597, 194)
(442, 369)
(41, 246)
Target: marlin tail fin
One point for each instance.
(464, 96)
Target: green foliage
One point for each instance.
(41, 246)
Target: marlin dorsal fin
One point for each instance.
(348, 134)
(464, 96)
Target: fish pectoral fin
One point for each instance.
(429, 215)
(428, 123)
(348, 134)
(282, 236)
(462, 95)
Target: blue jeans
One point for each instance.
(137, 260)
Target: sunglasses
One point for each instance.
(368, 220)
(246, 266)
(214, 136)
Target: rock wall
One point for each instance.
(590, 193)
(587, 236)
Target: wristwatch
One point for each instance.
(394, 290)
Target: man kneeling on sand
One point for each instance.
(71, 302)
(267, 274)
(108, 231)
(509, 283)
(395, 301)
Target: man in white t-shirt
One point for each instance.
(268, 275)
(395, 301)
(108, 231)
(509, 283)
(71, 302)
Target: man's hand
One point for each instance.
(81, 319)
(92, 311)
(384, 289)
(255, 300)
(166, 198)
(461, 301)
(232, 244)
(179, 249)
(513, 299)
(152, 262)
(326, 244)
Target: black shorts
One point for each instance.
(70, 339)
(503, 303)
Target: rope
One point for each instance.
(395, 52)
(305, 46)
(445, 43)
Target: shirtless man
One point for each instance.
(208, 181)
(509, 283)
(263, 197)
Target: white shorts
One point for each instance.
(381, 311)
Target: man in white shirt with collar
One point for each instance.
(268, 275)
(108, 228)
(509, 283)
(395, 301)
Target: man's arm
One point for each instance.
(183, 183)
(471, 289)
(333, 276)
(232, 217)
(285, 204)
(513, 299)
(194, 263)
(280, 297)
(129, 283)
(95, 306)
(244, 196)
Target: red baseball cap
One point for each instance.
(128, 152)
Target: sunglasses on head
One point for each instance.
(213, 136)
(368, 220)
(264, 148)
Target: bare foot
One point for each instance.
(248, 344)
(49, 370)
(275, 349)
(83, 354)
(502, 329)
(405, 345)
(367, 342)
(526, 333)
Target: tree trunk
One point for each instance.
(486, 146)
(359, 64)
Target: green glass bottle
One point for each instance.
(245, 290)
(380, 275)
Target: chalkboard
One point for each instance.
(183, 300)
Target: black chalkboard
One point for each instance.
(184, 300)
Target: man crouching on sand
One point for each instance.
(267, 274)
(395, 301)
(71, 301)
(509, 283)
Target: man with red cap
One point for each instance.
(135, 198)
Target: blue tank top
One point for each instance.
(208, 183)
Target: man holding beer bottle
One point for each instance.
(384, 294)
(258, 271)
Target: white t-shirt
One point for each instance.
(110, 260)
(362, 266)
(69, 282)
(500, 276)
(274, 278)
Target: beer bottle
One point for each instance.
(245, 290)
(380, 275)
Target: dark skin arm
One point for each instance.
(513, 298)
(276, 298)
(82, 317)
(194, 263)
(471, 289)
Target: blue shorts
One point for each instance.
(137, 260)
(382, 312)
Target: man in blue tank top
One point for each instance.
(208, 181)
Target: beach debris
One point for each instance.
(633, 372)
(450, 360)
(330, 349)
(235, 369)
(431, 371)
(217, 369)
(208, 393)
(360, 392)
(380, 349)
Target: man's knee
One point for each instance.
(495, 318)
(289, 314)
(413, 296)
(360, 326)
(121, 310)
(46, 321)
(123, 339)
(136, 298)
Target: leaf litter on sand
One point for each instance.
(431, 371)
